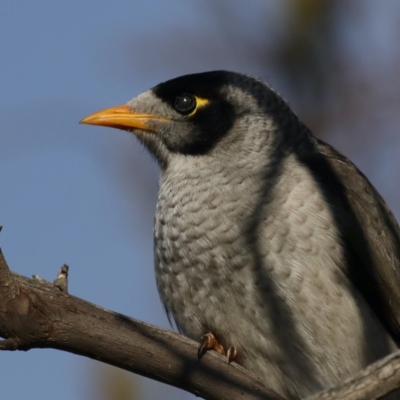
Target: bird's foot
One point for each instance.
(231, 353)
(209, 342)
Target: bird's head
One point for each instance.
(215, 112)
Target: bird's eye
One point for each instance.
(185, 103)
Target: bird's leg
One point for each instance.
(209, 342)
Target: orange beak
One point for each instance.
(121, 117)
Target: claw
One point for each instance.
(231, 354)
(209, 342)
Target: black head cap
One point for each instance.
(200, 100)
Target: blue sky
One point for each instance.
(62, 198)
(85, 196)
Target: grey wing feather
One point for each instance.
(374, 241)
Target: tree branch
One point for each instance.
(38, 314)
(373, 382)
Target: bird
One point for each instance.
(270, 246)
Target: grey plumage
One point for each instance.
(268, 237)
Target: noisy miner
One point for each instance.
(270, 246)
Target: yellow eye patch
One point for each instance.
(200, 102)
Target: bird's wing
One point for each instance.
(372, 238)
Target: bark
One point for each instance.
(39, 314)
